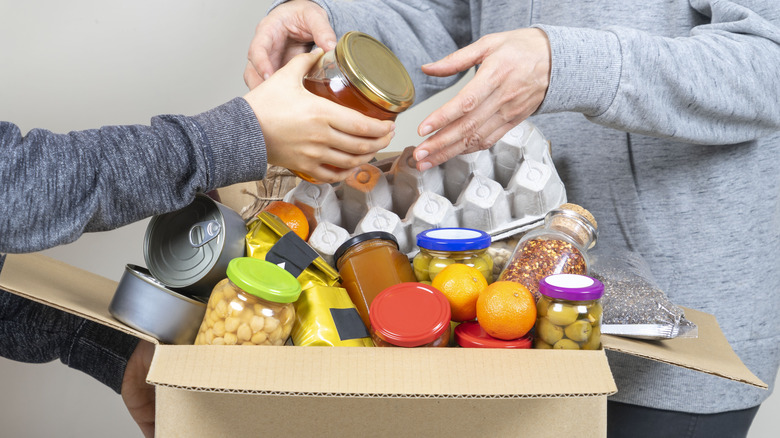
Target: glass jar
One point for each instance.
(558, 247)
(470, 334)
(368, 264)
(441, 247)
(252, 306)
(363, 74)
(410, 315)
(569, 313)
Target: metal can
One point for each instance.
(569, 313)
(441, 247)
(252, 306)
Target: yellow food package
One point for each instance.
(268, 238)
(326, 316)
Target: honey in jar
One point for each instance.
(368, 264)
(363, 74)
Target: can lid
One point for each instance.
(572, 287)
(182, 247)
(370, 235)
(410, 314)
(453, 239)
(470, 334)
(264, 279)
(375, 70)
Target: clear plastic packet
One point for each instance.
(634, 305)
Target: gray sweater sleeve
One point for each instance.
(58, 186)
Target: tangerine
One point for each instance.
(461, 284)
(506, 310)
(291, 215)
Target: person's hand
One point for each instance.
(311, 134)
(136, 393)
(288, 30)
(509, 86)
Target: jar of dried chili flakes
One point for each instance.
(558, 247)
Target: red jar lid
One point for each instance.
(410, 314)
(469, 334)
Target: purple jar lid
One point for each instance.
(572, 287)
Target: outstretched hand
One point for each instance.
(288, 30)
(509, 85)
(136, 393)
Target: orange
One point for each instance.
(291, 215)
(506, 310)
(461, 285)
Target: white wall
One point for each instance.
(86, 63)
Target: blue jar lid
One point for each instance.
(453, 239)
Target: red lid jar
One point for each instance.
(470, 334)
(410, 315)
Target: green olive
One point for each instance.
(482, 266)
(420, 264)
(562, 314)
(541, 307)
(594, 313)
(566, 344)
(578, 331)
(594, 342)
(548, 332)
(540, 344)
(437, 265)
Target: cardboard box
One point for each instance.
(326, 391)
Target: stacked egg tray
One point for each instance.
(503, 190)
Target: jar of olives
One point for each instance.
(441, 247)
(569, 313)
(560, 246)
(410, 315)
(252, 306)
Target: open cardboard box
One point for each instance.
(329, 391)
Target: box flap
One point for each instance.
(65, 287)
(383, 372)
(709, 353)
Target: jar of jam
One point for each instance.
(410, 315)
(558, 247)
(470, 334)
(252, 306)
(569, 313)
(363, 74)
(441, 247)
(368, 264)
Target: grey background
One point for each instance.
(82, 64)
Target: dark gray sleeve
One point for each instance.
(58, 186)
(35, 333)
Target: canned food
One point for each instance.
(252, 306)
(441, 247)
(569, 313)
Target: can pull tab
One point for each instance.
(204, 232)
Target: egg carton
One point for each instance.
(503, 190)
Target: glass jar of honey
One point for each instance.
(410, 315)
(368, 264)
(363, 74)
(252, 306)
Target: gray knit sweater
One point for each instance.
(58, 186)
(664, 116)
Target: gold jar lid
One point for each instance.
(375, 70)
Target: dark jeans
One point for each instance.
(630, 421)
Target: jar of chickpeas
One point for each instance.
(252, 306)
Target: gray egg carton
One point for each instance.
(503, 190)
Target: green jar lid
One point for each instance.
(263, 279)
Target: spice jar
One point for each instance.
(363, 74)
(410, 315)
(252, 306)
(368, 264)
(441, 247)
(470, 334)
(558, 247)
(569, 313)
